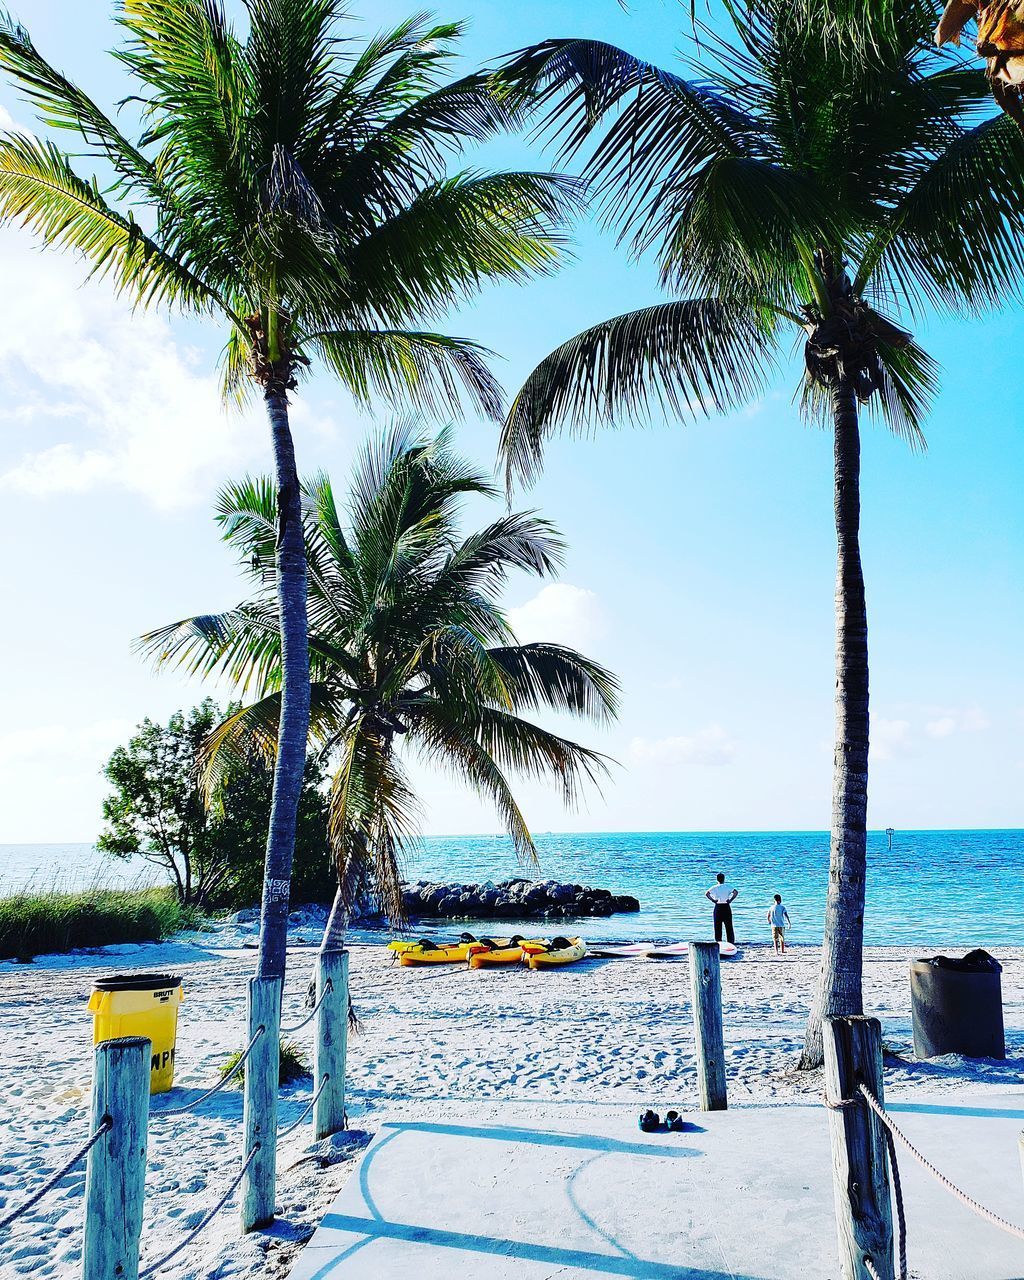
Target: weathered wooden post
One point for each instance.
(706, 996)
(331, 1045)
(860, 1159)
(259, 1108)
(115, 1179)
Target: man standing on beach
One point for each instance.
(722, 895)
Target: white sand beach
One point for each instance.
(436, 1043)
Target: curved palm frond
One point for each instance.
(680, 358)
(433, 371)
(553, 676)
(40, 189)
(456, 235)
(955, 237)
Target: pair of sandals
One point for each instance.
(651, 1122)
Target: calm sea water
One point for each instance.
(933, 887)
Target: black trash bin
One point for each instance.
(957, 1006)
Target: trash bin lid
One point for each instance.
(137, 982)
(977, 961)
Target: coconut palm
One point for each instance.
(410, 653)
(800, 186)
(292, 184)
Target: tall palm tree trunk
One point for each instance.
(337, 924)
(294, 723)
(840, 989)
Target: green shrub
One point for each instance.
(37, 921)
(294, 1065)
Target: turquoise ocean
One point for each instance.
(948, 888)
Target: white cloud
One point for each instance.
(966, 720)
(708, 746)
(53, 741)
(941, 728)
(560, 613)
(890, 738)
(100, 397)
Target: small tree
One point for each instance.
(212, 857)
(156, 811)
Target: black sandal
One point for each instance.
(650, 1122)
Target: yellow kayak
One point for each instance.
(426, 952)
(496, 951)
(401, 945)
(548, 955)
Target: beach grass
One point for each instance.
(39, 921)
(294, 1065)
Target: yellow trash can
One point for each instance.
(140, 1004)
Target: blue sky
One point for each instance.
(702, 555)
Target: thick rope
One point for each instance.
(897, 1195)
(283, 1133)
(972, 1204)
(842, 1104)
(169, 1257)
(9, 1218)
(224, 1080)
(290, 1031)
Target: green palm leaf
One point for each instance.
(704, 355)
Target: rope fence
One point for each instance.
(975, 1206)
(283, 1133)
(865, 1164)
(10, 1218)
(121, 1109)
(290, 1031)
(196, 1230)
(226, 1079)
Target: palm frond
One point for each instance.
(552, 676)
(457, 235)
(431, 371)
(681, 358)
(955, 238)
(40, 189)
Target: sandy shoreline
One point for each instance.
(604, 1032)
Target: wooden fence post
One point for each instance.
(706, 995)
(331, 1045)
(860, 1159)
(115, 1179)
(259, 1110)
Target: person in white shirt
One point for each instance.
(722, 895)
(778, 918)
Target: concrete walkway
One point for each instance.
(747, 1197)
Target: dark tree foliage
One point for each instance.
(213, 857)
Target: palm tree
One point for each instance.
(803, 185)
(293, 184)
(410, 651)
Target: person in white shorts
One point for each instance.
(778, 918)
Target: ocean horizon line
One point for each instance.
(623, 831)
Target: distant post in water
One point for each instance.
(331, 1043)
(706, 995)
(259, 1108)
(860, 1159)
(115, 1179)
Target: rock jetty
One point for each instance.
(513, 900)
